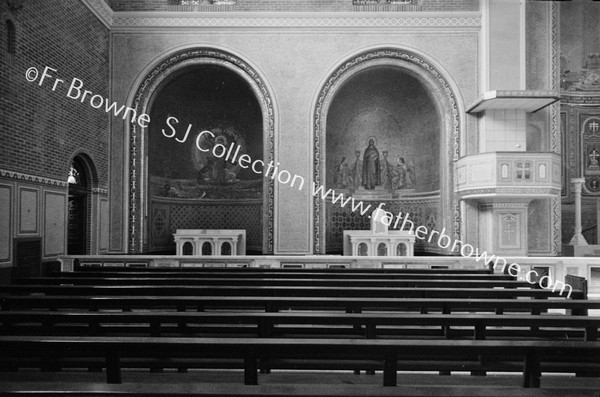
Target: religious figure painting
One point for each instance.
(208, 176)
(372, 172)
(343, 177)
(385, 125)
(181, 160)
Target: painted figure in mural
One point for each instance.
(355, 172)
(371, 173)
(593, 162)
(342, 178)
(385, 171)
(398, 174)
(219, 164)
(411, 179)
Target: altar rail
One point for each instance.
(556, 268)
(273, 262)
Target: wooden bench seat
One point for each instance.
(276, 303)
(248, 282)
(82, 265)
(369, 325)
(531, 353)
(362, 275)
(169, 385)
(305, 291)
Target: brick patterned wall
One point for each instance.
(40, 129)
(293, 5)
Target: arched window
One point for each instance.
(11, 37)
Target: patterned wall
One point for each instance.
(169, 215)
(421, 211)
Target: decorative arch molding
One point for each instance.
(446, 100)
(142, 101)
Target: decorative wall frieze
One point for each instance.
(149, 19)
(19, 176)
(99, 190)
(515, 192)
(295, 20)
(580, 98)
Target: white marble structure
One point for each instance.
(379, 241)
(202, 242)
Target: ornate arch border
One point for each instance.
(142, 102)
(447, 103)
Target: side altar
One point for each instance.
(379, 241)
(204, 242)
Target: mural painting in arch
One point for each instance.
(383, 136)
(200, 99)
(387, 127)
(204, 106)
(207, 98)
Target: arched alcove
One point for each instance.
(226, 248)
(401, 249)
(382, 249)
(202, 188)
(395, 108)
(175, 185)
(391, 107)
(363, 250)
(207, 248)
(188, 248)
(82, 178)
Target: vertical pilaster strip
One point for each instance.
(555, 145)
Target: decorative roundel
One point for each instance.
(592, 184)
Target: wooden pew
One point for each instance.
(248, 282)
(369, 325)
(80, 266)
(306, 291)
(168, 388)
(276, 303)
(113, 350)
(362, 275)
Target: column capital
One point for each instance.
(577, 181)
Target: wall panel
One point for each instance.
(54, 224)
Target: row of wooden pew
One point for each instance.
(265, 319)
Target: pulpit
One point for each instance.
(379, 241)
(205, 242)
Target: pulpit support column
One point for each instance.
(577, 238)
